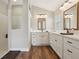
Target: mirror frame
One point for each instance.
(77, 17)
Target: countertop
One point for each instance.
(74, 36)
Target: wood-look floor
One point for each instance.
(38, 53)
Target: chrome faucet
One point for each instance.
(67, 30)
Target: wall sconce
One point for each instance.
(68, 16)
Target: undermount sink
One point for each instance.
(67, 33)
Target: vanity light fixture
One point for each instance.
(68, 15)
(67, 4)
(41, 16)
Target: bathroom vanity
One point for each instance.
(66, 46)
(39, 38)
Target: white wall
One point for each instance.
(3, 28)
(49, 21)
(18, 38)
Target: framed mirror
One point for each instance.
(41, 24)
(70, 18)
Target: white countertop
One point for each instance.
(74, 36)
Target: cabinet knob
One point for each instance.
(56, 40)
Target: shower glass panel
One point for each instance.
(17, 14)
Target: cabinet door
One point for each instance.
(75, 53)
(71, 53)
(67, 56)
(52, 41)
(59, 45)
(56, 43)
(67, 52)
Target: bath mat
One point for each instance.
(11, 55)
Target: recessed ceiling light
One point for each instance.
(66, 1)
(14, 0)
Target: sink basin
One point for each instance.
(66, 33)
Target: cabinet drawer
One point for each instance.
(67, 49)
(70, 52)
(71, 42)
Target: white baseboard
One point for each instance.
(3, 54)
(40, 44)
(20, 49)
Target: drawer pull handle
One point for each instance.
(69, 51)
(69, 42)
(56, 40)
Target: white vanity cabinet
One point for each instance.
(71, 48)
(66, 46)
(56, 43)
(40, 39)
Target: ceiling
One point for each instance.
(51, 5)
